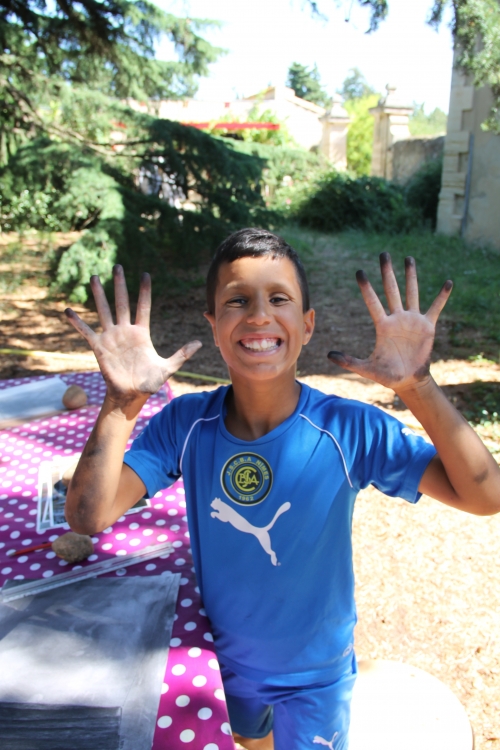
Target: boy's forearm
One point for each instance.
(472, 472)
(92, 494)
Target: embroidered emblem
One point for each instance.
(247, 478)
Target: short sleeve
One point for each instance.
(154, 455)
(391, 456)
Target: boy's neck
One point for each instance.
(256, 408)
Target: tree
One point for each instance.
(360, 134)
(306, 84)
(355, 86)
(105, 46)
(144, 191)
(475, 29)
(432, 124)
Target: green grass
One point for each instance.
(474, 306)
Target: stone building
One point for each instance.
(469, 202)
(311, 126)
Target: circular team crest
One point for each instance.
(247, 478)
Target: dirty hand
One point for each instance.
(124, 351)
(404, 338)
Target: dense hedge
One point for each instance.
(337, 202)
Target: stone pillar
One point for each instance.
(335, 123)
(391, 125)
(456, 155)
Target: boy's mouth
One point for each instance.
(260, 345)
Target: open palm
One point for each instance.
(404, 338)
(124, 351)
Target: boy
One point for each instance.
(271, 469)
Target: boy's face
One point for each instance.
(258, 323)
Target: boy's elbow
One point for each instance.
(82, 524)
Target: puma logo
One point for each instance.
(320, 741)
(227, 514)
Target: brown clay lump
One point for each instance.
(74, 397)
(73, 547)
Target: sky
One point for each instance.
(263, 37)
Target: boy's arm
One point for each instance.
(103, 487)
(463, 474)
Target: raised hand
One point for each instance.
(124, 351)
(404, 338)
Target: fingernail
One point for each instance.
(117, 269)
(409, 262)
(361, 277)
(69, 312)
(385, 258)
(336, 356)
(448, 285)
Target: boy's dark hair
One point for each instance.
(254, 243)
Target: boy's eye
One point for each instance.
(278, 299)
(236, 301)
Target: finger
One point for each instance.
(391, 288)
(436, 308)
(144, 302)
(353, 364)
(374, 305)
(412, 301)
(80, 326)
(105, 317)
(176, 361)
(122, 305)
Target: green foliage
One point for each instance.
(279, 137)
(307, 84)
(360, 134)
(83, 190)
(286, 175)
(476, 28)
(476, 31)
(107, 47)
(482, 402)
(355, 86)
(422, 191)
(94, 253)
(432, 124)
(339, 202)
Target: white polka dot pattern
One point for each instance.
(192, 709)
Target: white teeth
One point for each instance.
(260, 345)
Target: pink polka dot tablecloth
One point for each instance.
(192, 711)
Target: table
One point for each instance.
(192, 708)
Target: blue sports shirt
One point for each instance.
(270, 522)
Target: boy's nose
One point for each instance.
(259, 313)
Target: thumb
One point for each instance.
(353, 364)
(175, 362)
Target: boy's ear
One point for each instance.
(211, 320)
(309, 318)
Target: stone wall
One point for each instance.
(410, 154)
(469, 202)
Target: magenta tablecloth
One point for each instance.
(192, 708)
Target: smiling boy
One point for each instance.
(271, 469)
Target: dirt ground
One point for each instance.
(427, 576)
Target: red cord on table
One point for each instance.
(15, 553)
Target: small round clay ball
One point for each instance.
(68, 474)
(74, 397)
(73, 547)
